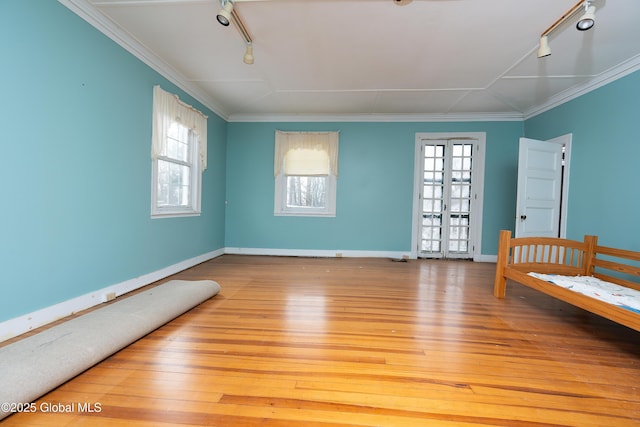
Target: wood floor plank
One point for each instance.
(321, 342)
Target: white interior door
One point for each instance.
(539, 195)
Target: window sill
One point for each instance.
(306, 214)
(158, 215)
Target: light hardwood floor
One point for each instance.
(362, 342)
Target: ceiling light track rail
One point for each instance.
(586, 21)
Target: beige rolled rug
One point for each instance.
(31, 367)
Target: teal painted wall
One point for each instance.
(76, 174)
(605, 159)
(75, 217)
(375, 186)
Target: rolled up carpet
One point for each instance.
(31, 367)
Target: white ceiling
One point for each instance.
(374, 59)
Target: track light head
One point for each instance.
(588, 19)
(224, 16)
(248, 56)
(402, 2)
(544, 49)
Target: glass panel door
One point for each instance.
(446, 199)
(432, 198)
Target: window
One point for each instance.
(179, 153)
(306, 171)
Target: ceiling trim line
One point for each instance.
(126, 3)
(99, 21)
(381, 90)
(625, 68)
(390, 118)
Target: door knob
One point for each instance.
(523, 217)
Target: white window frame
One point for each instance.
(280, 202)
(169, 110)
(192, 208)
(280, 192)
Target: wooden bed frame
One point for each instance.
(547, 255)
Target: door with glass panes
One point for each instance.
(447, 199)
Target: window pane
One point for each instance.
(173, 184)
(429, 151)
(178, 142)
(429, 164)
(457, 164)
(306, 191)
(163, 183)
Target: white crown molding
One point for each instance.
(627, 67)
(436, 118)
(102, 23)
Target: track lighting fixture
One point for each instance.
(544, 49)
(224, 16)
(228, 14)
(586, 21)
(248, 56)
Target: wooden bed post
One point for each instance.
(500, 284)
(590, 243)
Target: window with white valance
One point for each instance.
(179, 156)
(306, 171)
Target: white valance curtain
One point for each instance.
(306, 153)
(168, 108)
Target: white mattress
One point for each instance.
(595, 288)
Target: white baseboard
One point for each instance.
(338, 253)
(485, 258)
(25, 323)
(329, 253)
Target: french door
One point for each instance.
(447, 197)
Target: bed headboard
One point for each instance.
(548, 255)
